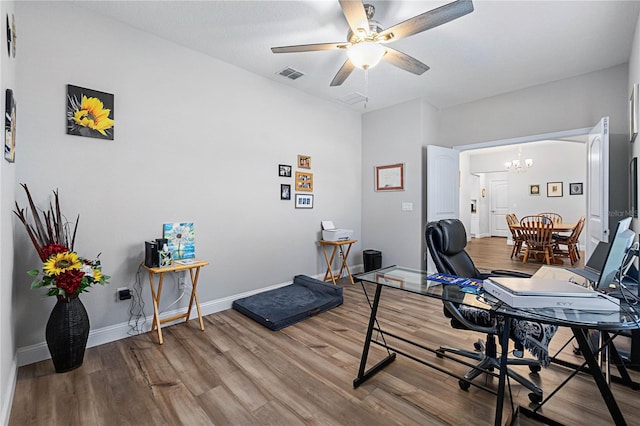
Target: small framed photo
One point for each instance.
(304, 201)
(575, 188)
(284, 170)
(304, 181)
(633, 113)
(534, 189)
(304, 161)
(10, 127)
(554, 189)
(390, 178)
(285, 192)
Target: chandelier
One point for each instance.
(519, 166)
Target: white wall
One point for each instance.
(8, 362)
(195, 140)
(634, 78)
(389, 136)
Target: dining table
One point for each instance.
(557, 227)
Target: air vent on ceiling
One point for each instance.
(353, 98)
(290, 73)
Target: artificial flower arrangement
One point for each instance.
(64, 273)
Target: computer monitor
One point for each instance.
(621, 241)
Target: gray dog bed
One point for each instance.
(279, 308)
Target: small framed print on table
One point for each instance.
(390, 178)
(554, 189)
(304, 201)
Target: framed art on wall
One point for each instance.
(633, 187)
(554, 189)
(89, 113)
(304, 181)
(575, 188)
(284, 170)
(390, 178)
(304, 161)
(534, 189)
(10, 127)
(285, 192)
(304, 201)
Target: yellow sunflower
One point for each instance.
(94, 115)
(97, 275)
(61, 262)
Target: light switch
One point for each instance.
(407, 207)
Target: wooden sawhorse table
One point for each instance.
(194, 271)
(337, 245)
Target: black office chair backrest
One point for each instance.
(446, 240)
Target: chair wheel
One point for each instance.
(535, 398)
(535, 368)
(477, 346)
(440, 354)
(464, 385)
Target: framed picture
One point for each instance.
(633, 187)
(304, 181)
(180, 239)
(284, 170)
(10, 127)
(304, 161)
(534, 189)
(389, 178)
(554, 189)
(304, 201)
(633, 113)
(285, 192)
(575, 188)
(89, 113)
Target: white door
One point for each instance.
(499, 207)
(443, 186)
(597, 224)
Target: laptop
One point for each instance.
(594, 265)
(541, 287)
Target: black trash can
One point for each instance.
(372, 260)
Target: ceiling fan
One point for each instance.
(367, 39)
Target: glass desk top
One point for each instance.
(416, 281)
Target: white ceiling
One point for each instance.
(500, 47)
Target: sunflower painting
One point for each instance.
(180, 239)
(89, 113)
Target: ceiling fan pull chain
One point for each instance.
(366, 87)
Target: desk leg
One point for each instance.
(598, 377)
(329, 261)
(504, 343)
(194, 296)
(362, 375)
(156, 299)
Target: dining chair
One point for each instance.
(512, 220)
(537, 232)
(571, 242)
(555, 217)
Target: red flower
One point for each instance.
(51, 249)
(70, 280)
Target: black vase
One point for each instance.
(67, 333)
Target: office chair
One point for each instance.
(446, 241)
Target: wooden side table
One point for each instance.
(337, 246)
(194, 271)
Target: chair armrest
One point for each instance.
(455, 313)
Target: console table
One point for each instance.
(580, 322)
(194, 272)
(337, 246)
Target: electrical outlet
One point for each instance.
(182, 283)
(123, 293)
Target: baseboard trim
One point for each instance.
(39, 352)
(9, 392)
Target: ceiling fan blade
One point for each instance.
(404, 61)
(343, 73)
(309, 47)
(356, 16)
(427, 20)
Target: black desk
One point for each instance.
(580, 322)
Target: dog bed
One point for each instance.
(281, 307)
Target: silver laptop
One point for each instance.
(542, 287)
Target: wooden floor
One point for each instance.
(237, 372)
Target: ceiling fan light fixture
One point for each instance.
(366, 54)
